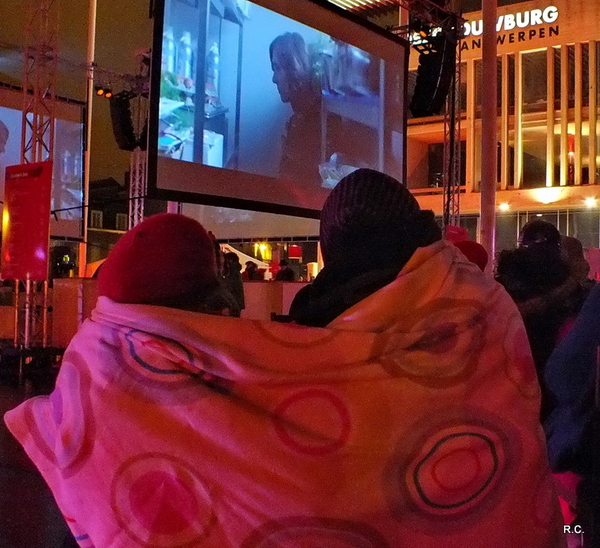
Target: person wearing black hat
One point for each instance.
(370, 227)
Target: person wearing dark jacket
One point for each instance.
(573, 428)
(539, 279)
(370, 227)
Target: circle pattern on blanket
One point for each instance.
(304, 532)
(451, 470)
(445, 348)
(161, 502)
(69, 441)
(519, 364)
(456, 470)
(167, 370)
(313, 422)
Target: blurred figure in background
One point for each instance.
(232, 279)
(285, 273)
(252, 273)
(541, 282)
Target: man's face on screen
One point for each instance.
(281, 77)
(3, 137)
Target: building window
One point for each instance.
(95, 218)
(583, 225)
(122, 221)
(535, 87)
(435, 163)
(507, 231)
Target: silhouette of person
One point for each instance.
(4, 133)
(285, 273)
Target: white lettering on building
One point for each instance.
(510, 21)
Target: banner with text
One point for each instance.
(26, 221)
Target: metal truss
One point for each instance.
(428, 22)
(138, 182)
(138, 174)
(39, 81)
(452, 148)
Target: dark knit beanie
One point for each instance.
(164, 259)
(540, 233)
(367, 206)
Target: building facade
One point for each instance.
(548, 135)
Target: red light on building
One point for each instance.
(294, 252)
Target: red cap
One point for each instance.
(165, 257)
(473, 251)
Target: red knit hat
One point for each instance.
(165, 258)
(473, 251)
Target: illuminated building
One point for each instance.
(548, 138)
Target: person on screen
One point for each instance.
(4, 134)
(294, 78)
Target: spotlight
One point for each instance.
(504, 206)
(103, 91)
(591, 202)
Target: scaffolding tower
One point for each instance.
(39, 81)
(37, 141)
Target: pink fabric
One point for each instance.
(567, 483)
(410, 421)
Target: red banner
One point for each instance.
(26, 221)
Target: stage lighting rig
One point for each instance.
(103, 91)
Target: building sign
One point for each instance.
(514, 27)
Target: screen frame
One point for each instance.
(306, 12)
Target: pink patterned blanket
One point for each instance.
(411, 420)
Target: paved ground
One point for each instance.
(29, 517)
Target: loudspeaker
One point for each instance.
(122, 124)
(434, 77)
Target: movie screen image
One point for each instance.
(279, 109)
(67, 177)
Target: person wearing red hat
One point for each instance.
(167, 260)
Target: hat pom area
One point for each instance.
(474, 252)
(166, 258)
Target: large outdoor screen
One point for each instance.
(265, 105)
(67, 177)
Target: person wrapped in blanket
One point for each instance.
(409, 419)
